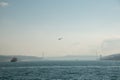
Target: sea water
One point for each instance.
(60, 70)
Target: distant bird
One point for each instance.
(60, 38)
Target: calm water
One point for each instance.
(60, 70)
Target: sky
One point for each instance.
(33, 27)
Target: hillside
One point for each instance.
(112, 57)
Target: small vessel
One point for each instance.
(14, 59)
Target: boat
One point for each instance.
(14, 59)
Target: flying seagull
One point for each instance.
(60, 38)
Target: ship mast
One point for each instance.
(43, 55)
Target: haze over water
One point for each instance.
(33, 27)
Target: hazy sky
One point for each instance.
(31, 27)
